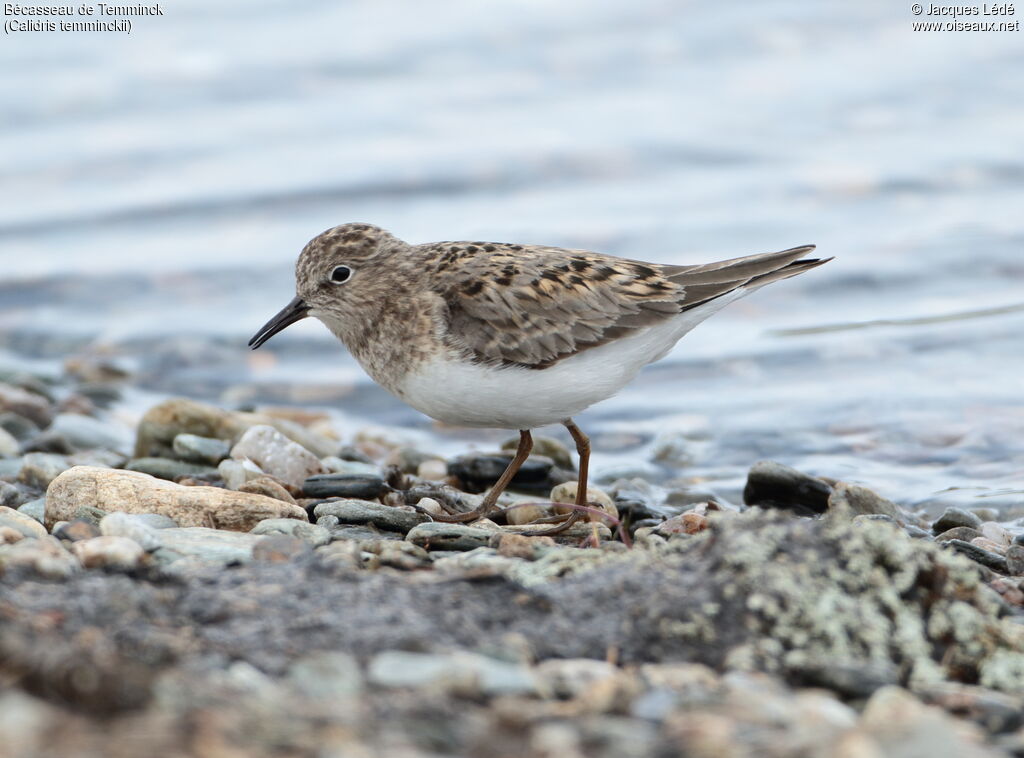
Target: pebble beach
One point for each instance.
(264, 582)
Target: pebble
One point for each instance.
(134, 492)
(118, 553)
(684, 523)
(169, 468)
(24, 403)
(979, 555)
(280, 548)
(358, 486)
(855, 500)
(277, 455)
(135, 527)
(326, 676)
(208, 451)
(19, 427)
(478, 471)
(573, 677)
(268, 486)
(344, 556)
(215, 546)
(431, 506)
(9, 445)
(520, 514)
(433, 470)
(336, 465)
(21, 522)
(548, 447)
(1015, 560)
(566, 493)
(395, 553)
(953, 517)
(772, 485)
(39, 469)
(464, 673)
(986, 544)
(103, 458)
(9, 495)
(311, 534)
(75, 531)
(521, 546)
(366, 512)
(85, 432)
(997, 533)
(964, 533)
(237, 473)
(434, 535)
(45, 556)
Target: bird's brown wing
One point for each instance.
(534, 306)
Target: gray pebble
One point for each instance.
(213, 546)
(45, 556)
(1015, 560)
(326, 676)
(39, 469)
(132, 527)
(481, 470)
(366, 512)
(168, 468)
(203, 450)
(35, 508)
(337, 465)
(75, 531)
(953, 517)
(313, 534)
(437, 536)
(85, 432)
(9, 495)
(964, 533)
(21, 428)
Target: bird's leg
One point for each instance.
(583, 449)
(491, 498)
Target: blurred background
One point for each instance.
(158, 186)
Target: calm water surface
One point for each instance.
(157, 187)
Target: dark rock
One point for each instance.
(772, 485)
(478, 471)
(979, 555)
(996, 712)
(954, 517)
(103, 394)
(360, 486)
(76, 530)
(851, 679)
(49, 442)
(10, 495)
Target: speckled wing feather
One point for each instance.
(533, 306)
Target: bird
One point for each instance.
(509, 336)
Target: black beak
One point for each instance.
(296, 310)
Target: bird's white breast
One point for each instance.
(468, 394)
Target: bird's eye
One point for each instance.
(341, 274)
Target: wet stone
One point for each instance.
(359, 486)
(168, 468)
(437, 536)
(979, 555)
(953, 517)
(76, 531)
(773, 485)
(366, 512)
(207, 451)
(478, 471)
(39, 469)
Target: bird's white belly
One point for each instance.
(466, 394)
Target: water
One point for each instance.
(157, 187)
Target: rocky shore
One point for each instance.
(214, 582)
